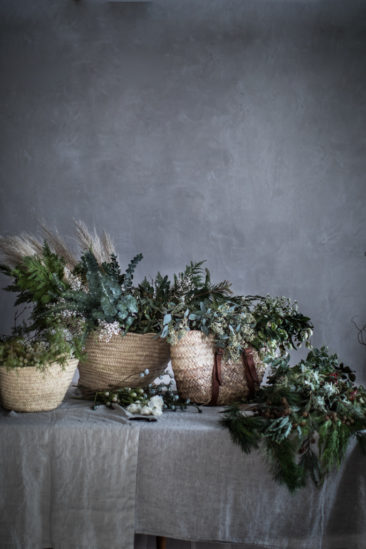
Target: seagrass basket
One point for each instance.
(30, 390)
(205, 378)
(120, 362)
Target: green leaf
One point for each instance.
(167, 319)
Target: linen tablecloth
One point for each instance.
(67, 479)
(193, 483)
(77, 478)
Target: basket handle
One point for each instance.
(250, 371)
(216, 377)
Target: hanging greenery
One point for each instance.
(305, 418)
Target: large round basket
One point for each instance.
(30, 390)
(120, 362)
(205, 378)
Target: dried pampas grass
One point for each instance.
(102, 247)
(58, 246)
(14, 248)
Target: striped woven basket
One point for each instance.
(30, 390)
(120, 362)
(203, 377)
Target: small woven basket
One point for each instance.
(30, 390)
(120, 362)
(194, 361)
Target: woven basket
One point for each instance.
(193, 360)
(119, 362)
(30, 390)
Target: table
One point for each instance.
(76, 478)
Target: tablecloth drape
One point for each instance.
(77, 478)
(67, 479)
(193, 483)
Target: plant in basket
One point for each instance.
(218, 340)
(122, 323)
(40, 281)
(38, 361)
(35, 370)
(119, 323)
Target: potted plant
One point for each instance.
(218, 340)
(35, 372)
(119, 322)
(122, 324)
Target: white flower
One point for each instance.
(146, 411)
(74, 281)
(133, 408)
(157, 412)
(156, 402)
(108, 330)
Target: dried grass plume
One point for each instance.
(102, 247)
(14, 248)
(58, 246)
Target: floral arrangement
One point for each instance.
(94, 294)
(236, 322)
(305, 417)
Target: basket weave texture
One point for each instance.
(119, 362)
(30, 390)
(193, 360)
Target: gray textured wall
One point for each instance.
(228, 130)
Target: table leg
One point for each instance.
(160, 542)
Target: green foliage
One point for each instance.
(194, 285)
(106, 296)
(152, 298)
(278, 323)
(38, 279)
(305, 417)
(266, 323)
(247, 431)
(40, 282)
(23, 350)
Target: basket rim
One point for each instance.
(131, 334)
(69, 362)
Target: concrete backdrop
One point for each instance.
(232, 131)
